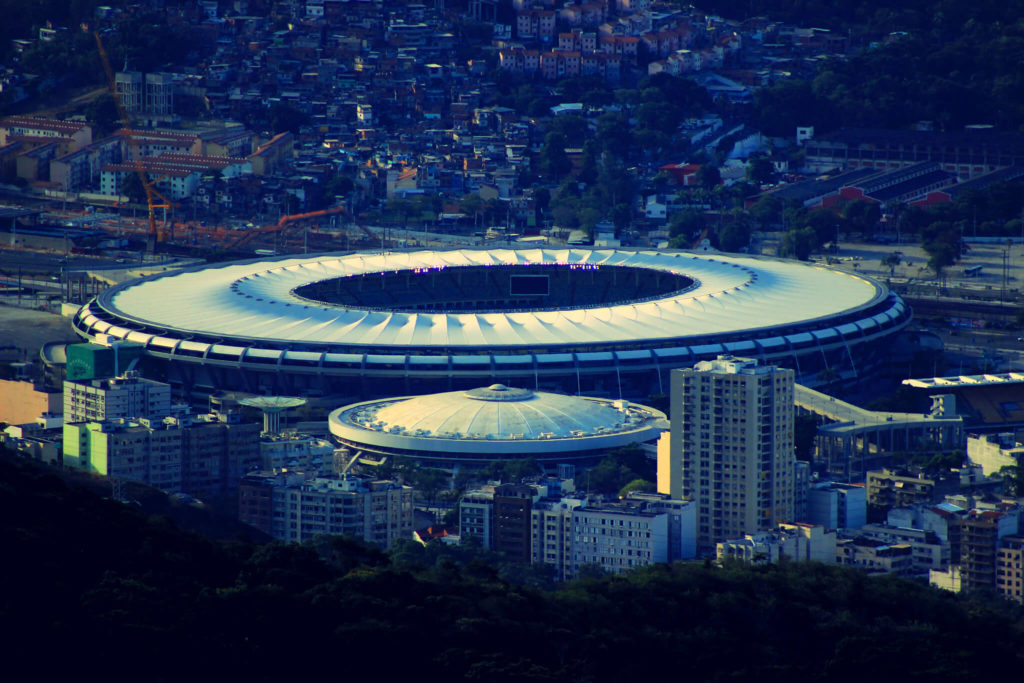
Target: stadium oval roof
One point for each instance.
(255, 301)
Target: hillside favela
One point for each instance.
(512, 340)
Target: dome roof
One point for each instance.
(496, 419)
(499, 412)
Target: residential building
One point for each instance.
(790, 542)
(513, 504)
(76, 133)
(125, 397)
(552, 535)
(129, 89)
(376, 511)
(942, 519)
(537, 24)
(682, 522)
(23, 401)
(203, 455)
(992, 452)
(801, 490)
(730, 447)
(981, 532)
(927, 550)
(640, 529)
(837, 506)
(978, 561)
(159, 97)
(295, 451)
(1010, 568)
(875, 557)
(476, 517)
(39, 440)
(888, 489)
(618, 539)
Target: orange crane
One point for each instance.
(154, 199)
(249, 235)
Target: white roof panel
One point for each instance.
(254, 302)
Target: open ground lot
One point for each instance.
(26, 330)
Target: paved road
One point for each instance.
(44, 262)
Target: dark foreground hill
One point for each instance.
(96, 589)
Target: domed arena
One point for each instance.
(602, 322)
(476, 427)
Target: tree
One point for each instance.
(658, 116)
(767, 212)
(538, 108)
(863, 216)
(941, 240)
(734, 235)
(554, 161)
(589, 218)
(102, 114)
(564, 215)
(615, 134)
(284, 118)
(825, 224)
(339, 186)
(637, 485)
(798, 243)
(542, 198)
(134, 189)
(589, 171)
(621, 217)
(398, 210)
(572, 127)
(471, 205)
(891, 260)
(686, 223)
(617, 469)
(708, 176)
(1013, 479)
(760, 170)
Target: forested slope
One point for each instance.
(96, 588)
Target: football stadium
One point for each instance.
(605, 322)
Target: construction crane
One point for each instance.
(154, 199)
(286, 222)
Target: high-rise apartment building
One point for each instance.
(730, 448)
(552, 536)
(119, 398)
(512, 506)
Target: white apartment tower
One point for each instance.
(125, 397)
(730, 448)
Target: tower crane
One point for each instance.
(154, 199)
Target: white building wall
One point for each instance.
(618, 541)
(726, 416)
(1002, 451)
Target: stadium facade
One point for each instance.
(597, 322)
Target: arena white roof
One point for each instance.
(255, 300)
(497, 420)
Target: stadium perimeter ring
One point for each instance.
(598, 322)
